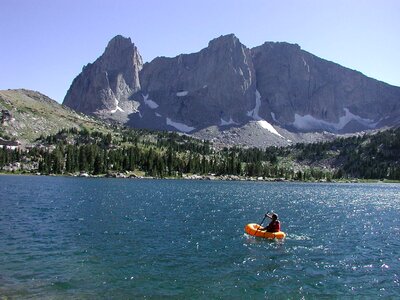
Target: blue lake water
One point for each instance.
(80, 238)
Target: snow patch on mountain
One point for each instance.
(117, 107)
(180, 126)
(150, 103)
(254, 113)
(260, 121)
(308, 122)
(264, 124)
(306, 65)
(273, 117)
(182, 93)
(226, 123)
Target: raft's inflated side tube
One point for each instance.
(255, 230)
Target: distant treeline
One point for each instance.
(162, 154)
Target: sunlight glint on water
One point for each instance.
(68, 237)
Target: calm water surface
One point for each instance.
(70, 238)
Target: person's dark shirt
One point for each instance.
(274, 226)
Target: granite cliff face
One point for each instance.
(275, 88)
(103, 88)
(303, 92)
(213, 86)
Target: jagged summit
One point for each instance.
(119, 52)
(103, 88)
(119, 41)
(120, 46)
(277, 88)
(279, 45)
(229, 40)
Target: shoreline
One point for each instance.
(134, 176)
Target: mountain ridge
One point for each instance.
(27, 114)
(277, 85)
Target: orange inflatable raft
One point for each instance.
(255, 230)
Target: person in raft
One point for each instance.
(274, 225)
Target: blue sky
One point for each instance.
(45, 43)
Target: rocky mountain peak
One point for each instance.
(121, 53)
(103, 87)
(275, 85)
(211, 87)
(226, 41)
(280, 45)
(119, 42)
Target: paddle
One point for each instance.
(261, 222)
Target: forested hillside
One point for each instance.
(162, 154)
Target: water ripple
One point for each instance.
(79, 238)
